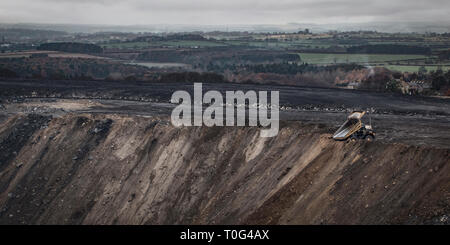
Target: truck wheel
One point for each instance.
(370, 138)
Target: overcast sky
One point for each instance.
(223, 12)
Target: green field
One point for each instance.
(413, 68)
(126, 45)
(140, 45)
(323, 58)
(190, 43)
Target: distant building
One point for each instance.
(352, 85)
(421, 84)
(414, 86)
(306, 31)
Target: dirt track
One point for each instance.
(295, 97)
(409, 128)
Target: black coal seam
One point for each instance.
(94, 139)
(18, 137)
(11, 202)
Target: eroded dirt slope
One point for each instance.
(110, 169)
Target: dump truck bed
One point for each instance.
(352, 125)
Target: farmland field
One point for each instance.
(52, 54)
(181, 43)
(414, 68)
(158, 65)
(126, 45)
(187, 43)
(324, 58)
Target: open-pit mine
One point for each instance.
(89, 152)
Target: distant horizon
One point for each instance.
(379, 26)
(223, 13)
(233, 24)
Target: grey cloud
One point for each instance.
(129, 12)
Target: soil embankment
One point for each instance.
(111, 169)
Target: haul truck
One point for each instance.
(354, 129)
